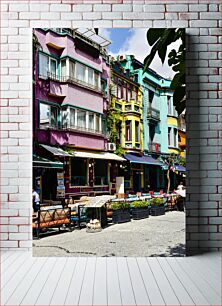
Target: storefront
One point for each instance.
(87, 172)
(145, 173)
(45, 177)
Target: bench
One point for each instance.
(51, 218)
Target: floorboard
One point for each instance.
(110, 281)
(138, 285)
(86, 294)
(167, 290)
(25, 282)
(48, 290)
(100, 283)
(208, 292)
(150, 283)
(126, 289)
(182, 295)
(40, 281)
(75, 286)
(188, 283)
(63, 285)
(213, 278)
(113, 285)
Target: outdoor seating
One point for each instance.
(51, 218)
(80, 217)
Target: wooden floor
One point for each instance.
(27, 280)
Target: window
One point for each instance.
(169, 132)
(124, 91)
(169, 104)
(53, 67)
(119, 95)
(151, 95)
(80, 72)
(63, 69)
(43, 65)
(134, 95)
(90, 76)
(97, 123)
(71, 69)
(47, 65)
(78, 172)
(81, 118)
(48, 116)
(101, 172)
(97, 79)
(136, 108)
(91, 121)
(175, 138)
(128, 131)
(137, 130)
(129, 94)
(72, 117)
(128, 107)
(118, 106)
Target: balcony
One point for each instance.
(153, 114)
(154, 147)
(75, 128)
(75, 81)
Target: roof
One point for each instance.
(142, 159)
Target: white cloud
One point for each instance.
(106, 33)
(137, 45)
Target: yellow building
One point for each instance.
(127, 102)
(182, 135)
(127, 99)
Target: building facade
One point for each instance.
(159, 121)
(71, 75)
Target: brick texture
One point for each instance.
(202, 20)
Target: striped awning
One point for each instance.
(41, 162)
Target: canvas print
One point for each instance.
(109, 142)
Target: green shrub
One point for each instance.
(142, 204)
(120, 205)
(156, 201)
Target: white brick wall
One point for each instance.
(202, 19)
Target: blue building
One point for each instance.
(160, 119)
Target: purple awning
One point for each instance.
(142, 159)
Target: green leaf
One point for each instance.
(175, 81)
(153, 35)
(180, 107)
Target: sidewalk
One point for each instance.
(155, 236)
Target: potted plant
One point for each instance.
(157, 207)
(140, 210)
(121, 212)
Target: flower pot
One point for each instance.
(140, 213)
(120, 216)
(157, 211)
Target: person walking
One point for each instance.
(36, 200)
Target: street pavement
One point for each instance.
(154, 236)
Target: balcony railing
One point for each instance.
(82, 129)
(154, 147)
(153, 113)
(73, 80)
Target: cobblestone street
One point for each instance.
(155, 236)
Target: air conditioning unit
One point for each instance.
(111, 146)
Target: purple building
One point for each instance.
(71, 94)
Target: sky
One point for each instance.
(132, 41)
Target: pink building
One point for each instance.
(71, 93)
